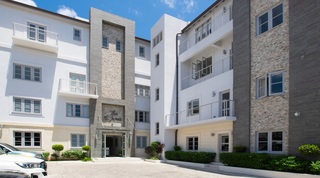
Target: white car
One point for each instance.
(18, 163)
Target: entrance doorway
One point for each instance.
(113, 145)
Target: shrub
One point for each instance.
(57, 147)
(309, 150)
(177, 148)
(288, 164)
(73, 154)
(315, 167)
(195, 157)
(154, 150)
(86, 148)
(54, 156)
(46, 155)
(247, 160)
(85, 159)
(239, 149)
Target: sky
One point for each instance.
(145, 13)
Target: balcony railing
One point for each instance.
(35, 34)
(208, 112)
(206, 30)
(218, 67)
(78, 88)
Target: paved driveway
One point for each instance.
(127, 167)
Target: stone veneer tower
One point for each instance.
(112, 68)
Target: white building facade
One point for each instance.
(205, 114)
(44, 79)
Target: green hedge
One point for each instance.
(73, 154)
(247, 160)
(195, 157)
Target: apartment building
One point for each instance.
(142, 96)
(276, 77)
(192, 84)
(44, 78)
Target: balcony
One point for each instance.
(215, 112)
(207, 35)
(78, 89)
(35, 38)
(218, 67)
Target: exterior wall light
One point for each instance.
(297, 114)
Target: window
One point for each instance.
(118, 46)
(157, 94)
(105, 42)
(141, 51)
(78, 140)
(157, 59)
(77, 110)
(224, 143)
(24, 105)
(270, 141)
(77, 83)
(141, 142)
(193, 107)
(157, 128)
(142, 90)
(270, 19)
(201, 68)
(27, 139)
(36, 32)
(192, 143)
(26, 72)
(142, 116)
(76, 34)
(157, 39)
(203, 30)
(271, 84)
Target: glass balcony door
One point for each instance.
(36, 32)
(77, 83)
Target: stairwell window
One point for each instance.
(157, 128)
(271, 84)
(157, 39)
(143, 91)
(270, 19)
(193, 107)
(76, 34)
(142, 52)
(157, 94)
(157, 62)
(105, 42)
(142, 116)
(118, 46)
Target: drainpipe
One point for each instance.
(177, 89)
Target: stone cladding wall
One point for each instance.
(269, 53)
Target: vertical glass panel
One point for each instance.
(196, 143)
(77, 110)
(27, 139)
(37, 106)
(36, 74)
(263, 141)
(27, 73)
(17, 139)
(82, 140)
(277, 15)
(85, 111)
(17, 71)
(17, 104)
(70, 110)
(276, 83)
(36, 139)
(263, 23)
(42, 34)
(32, 31)
(27, 105)
(74, 140)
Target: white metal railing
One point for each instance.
(78, 87)
(206, 30)
(35, 34)
(218, 67)
(224, 108)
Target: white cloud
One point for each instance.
(169, 3)
(67, 11)
(189, 5)
(135, 11)
(28, 2)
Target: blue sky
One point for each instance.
(145, 13)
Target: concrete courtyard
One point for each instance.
(128, 167)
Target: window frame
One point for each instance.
(76, 38)
(78, 145)
(157, 96)
(157, 128)
(73, 113)
(22, 105)
(145, 116)
(118, 46)
(270, 83)
(141, 142)
(194, 143)
(145, 91)
(192, 107)
(157, 39)
(105, 38)
(270, 18)
(23, 139)
(269, 142)
(264, 88)
(23, 72)
(143, 54)
(37, 32)
(157, 59)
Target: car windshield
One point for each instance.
(11, 147)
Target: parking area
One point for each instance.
(128, 167)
